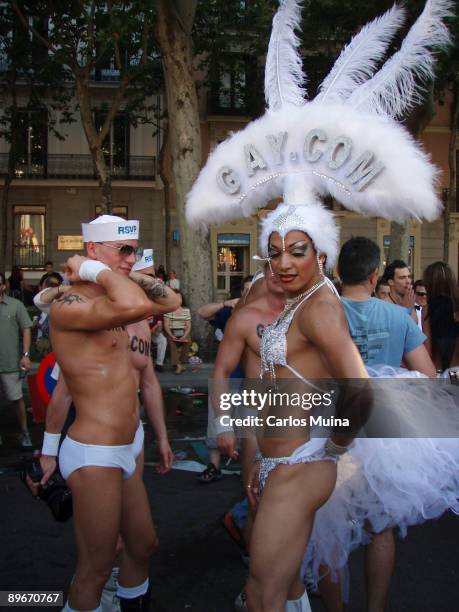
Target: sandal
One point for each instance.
(210, 474)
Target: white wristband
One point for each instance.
(50, 444)
(219, 428)
(43, 306)
(90, 269)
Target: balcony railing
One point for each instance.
(29, 256)
(139, 168)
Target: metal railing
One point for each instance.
(29, 256)
(70, 166)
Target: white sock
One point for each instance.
(132, 592)
(67, 608)
(298, 605)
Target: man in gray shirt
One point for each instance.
(15, 325)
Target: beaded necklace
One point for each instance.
(291, 302)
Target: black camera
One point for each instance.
(55, 493)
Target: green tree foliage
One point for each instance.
(34, 99)
(90, 36)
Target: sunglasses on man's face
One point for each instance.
(126, 250)
(421, 293)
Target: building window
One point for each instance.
(229, 88)
(31, 144)
(410, 262)
(233, 261)
(116, 144)
(29, 249)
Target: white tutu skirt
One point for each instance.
(387, 482)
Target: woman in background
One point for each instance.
(440, 319)
(16, 283)
(177, 326)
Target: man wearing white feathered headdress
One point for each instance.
(345, 143)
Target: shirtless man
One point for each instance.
(97, 457)
(150, 390)
(297, 474)
(241, 346)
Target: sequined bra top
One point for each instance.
(273, 346)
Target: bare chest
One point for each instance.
(139, 344)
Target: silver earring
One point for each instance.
(320, 264)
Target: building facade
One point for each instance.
(55, 189)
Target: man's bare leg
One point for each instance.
(137, 531)
(96, 493)
(249, 448)
(291, 497)
(111, 586)
(215, 457)
(21, 414)
(330, 591)
(379, 566)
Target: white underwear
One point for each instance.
(137, 443)
(74, 455)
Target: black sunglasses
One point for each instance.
(126, 250)
(421, 293)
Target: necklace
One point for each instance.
(293, 301)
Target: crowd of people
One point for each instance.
(173, 333)
(245, 321)
(315, 491)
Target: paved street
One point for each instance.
(197, 567)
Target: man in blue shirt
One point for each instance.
(385, 334)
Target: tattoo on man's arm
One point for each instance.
(70, 298)
(153, 287)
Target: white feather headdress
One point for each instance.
(346, 142)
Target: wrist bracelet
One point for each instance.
(335, 449)
(50, 444)
(90, 269)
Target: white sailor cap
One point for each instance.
(146, 261)
(109, 228)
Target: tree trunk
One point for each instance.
(399, 242)
(103, 178)
(415, 123)
(94, 143)
(174, 38)
(451, 197)
(167, 198)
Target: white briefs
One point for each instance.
(74, 455)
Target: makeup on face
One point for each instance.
(296, 249)
(294, 260)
